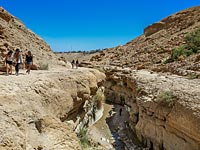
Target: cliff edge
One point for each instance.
(34, 108)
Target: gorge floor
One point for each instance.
(112, 131)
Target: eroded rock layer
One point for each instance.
(164, 110)
(34, 109)
(154, 47)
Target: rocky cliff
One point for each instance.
(150, 50)
(38, 111)
(164, 110)
(14, 34)
(35, 109)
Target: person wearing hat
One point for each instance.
(29, 61)
(18, 60)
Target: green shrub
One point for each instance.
(193, 40)
(192, 46)
(83, 138)
(166, 98)
(44, 66)
(99, 98)
(176, 52)
(192, 76)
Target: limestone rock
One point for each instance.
(14, 34)
(34, 108)
(172, 124)
(154, 28)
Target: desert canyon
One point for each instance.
(144, 95)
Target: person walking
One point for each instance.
(120, 111)
(18, 61)
(77, 63)
(9, 62)
(29, 61)
(73, 63)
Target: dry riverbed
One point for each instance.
(111, 131)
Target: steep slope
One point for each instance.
(151, 49)
(14, 34)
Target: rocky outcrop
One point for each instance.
(35, 111)
(164, 111)
(93, 109)
(154, 28)
(14, 34)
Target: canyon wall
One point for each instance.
(164, 110)
(151, 49)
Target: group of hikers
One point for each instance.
(75, 64)
(15, 59)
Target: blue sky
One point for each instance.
(91, 24)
